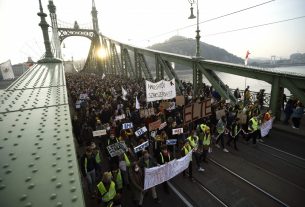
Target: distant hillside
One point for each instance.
(185, 46)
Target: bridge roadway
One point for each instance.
(39, 167)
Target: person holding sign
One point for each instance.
(164, 157)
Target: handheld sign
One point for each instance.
(164, 124)
(141, 131)
(120, 117)
(141, 147)
(154, 125)
(127, 125)
(83, 96)
(117, 149)
(171, 141)
(153, 134)
(177, 131)
(99, 133)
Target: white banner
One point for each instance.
(157, 175)
(99, 133)
(120, 117)
(127, 125)
(7, 70)
(83, 96)
(141, 131)
(265, 127)
(117, 149)
(161, 90)
(141, 147)
(177, 131)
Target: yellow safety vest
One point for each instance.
(126, 160)
(118, 180)
(255, 125)
(186, 151)
(162, 159)
(207, 139)
(97, 157)
(203, 126)
(193, 141)
(107, 195)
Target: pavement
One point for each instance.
(288, 128)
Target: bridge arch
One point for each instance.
(64, 33)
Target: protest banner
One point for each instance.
(164, 124)
(220, 113)
(196, 111)
(117, 149)
(265, 127)
(141, 131)
(162, 90)
(157, 175)
(171, 141)
(127, 125)
(141, 147)
(180, 100)
(98, 133)
(120, 117)
(154, 125)
(144, 113)
(177, 131)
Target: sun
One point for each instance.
(102, 53)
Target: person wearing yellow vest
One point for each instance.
(88, 166)
(197, 150)
(184, 151)
(124, 165)
(253, 128)
(107, 190)
(206, 142)
(164, 157)
(117, 177)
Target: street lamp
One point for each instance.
(192, 16)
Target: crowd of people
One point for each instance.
(97, 101)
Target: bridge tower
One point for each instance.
(94, 17)
(52, 10)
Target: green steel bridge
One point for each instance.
(38, 160)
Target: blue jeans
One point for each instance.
(91, 180)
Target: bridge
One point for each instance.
(38, 161)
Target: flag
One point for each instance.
(124, 93)
(103, 76)
(247, 57)
(137, 103)
(7, 70)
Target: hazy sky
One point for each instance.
(140, 22)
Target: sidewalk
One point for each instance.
(288, 129)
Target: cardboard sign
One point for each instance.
(120, 117)
(154, 125)
(141, 131)
(99, 133)
(196, 111)
(127, 125)
(171, 142)
(220, 113)
(206, 109)
(188, 114)
(242, 118)
(117, 149)
(177, 131)
(145, 113)
(164, 124)
(180, 100)
(141, 147)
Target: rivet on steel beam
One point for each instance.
(28, 179)
(74, 198)
(59, 204)
(2, 186)
(53, 196)
(31, 186)
(58, 170)
(23, 197)
(72, 180)
(34, 170)
(58, 185)
(29, 204)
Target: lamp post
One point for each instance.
(192, 16)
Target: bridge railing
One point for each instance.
(62, 24)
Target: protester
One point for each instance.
(297, 115)
(165, 157)
(221, 128)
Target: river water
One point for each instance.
(235, 81)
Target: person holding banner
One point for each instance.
(184, 151)
(221, 127)
(235, 129)
(194, 143)
(146, 161)
(164, 157)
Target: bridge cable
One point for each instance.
(208, 20)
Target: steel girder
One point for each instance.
(70, 32)
(126, 63)
(115, 60)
